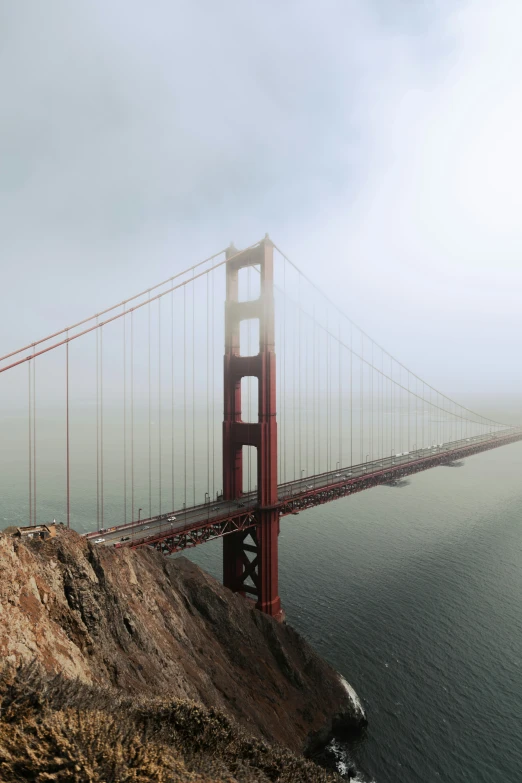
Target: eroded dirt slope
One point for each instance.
(151, 626)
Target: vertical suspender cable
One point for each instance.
(97, 427)
(101, 424)
(371, 409)
(279, 375)
(34, 438)
(399, 411)
(409, 399)
(423, 405)
(249, 379)
(416, 414)
(150, 441)
(394, 410)
(299, 332)
(455, 432)
(213, 398)
(124, 418)
(340, 391)
(392, 418)
(29, 364)
(361, 444)
(67, 430)
(159, 403)
(430, 422)
(193, 395)
(331, 395)
(351, 395)
(326, 367)
(317, 395)
(307, 412)
(172, 397)
(132, 415)
(208, 388)
(314, 395)
(435, 419)
(387, 408)
(330, 403)
(283, 455)
(383, 387)
(294, 401)
(318, 398)
(185, 392)
(328, 444)
(439, 420)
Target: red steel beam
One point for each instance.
(247, 518)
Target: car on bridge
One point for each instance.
(99, 541)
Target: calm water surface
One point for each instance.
(414, 595)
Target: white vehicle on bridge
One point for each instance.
(99, 541)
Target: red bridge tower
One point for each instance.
(252, 553)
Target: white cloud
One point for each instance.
(383, 143)
(431, 248)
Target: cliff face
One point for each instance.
(151, 626)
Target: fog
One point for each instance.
(376, 143)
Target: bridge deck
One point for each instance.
(200, 523)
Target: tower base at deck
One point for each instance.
(250, 563)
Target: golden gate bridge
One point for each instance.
(131, 425)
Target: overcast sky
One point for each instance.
(378, 142)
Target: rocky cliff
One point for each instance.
(155, 627)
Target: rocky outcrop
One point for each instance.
(151, 626)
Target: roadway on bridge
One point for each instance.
(217, 510)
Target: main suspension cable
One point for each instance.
(343, 315)
(123, 304)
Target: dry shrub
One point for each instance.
(53, 729)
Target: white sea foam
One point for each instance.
(353, 697)
(340, 757)
(343, 763)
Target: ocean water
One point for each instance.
(414, 595)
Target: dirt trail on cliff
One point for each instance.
(156, 627)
